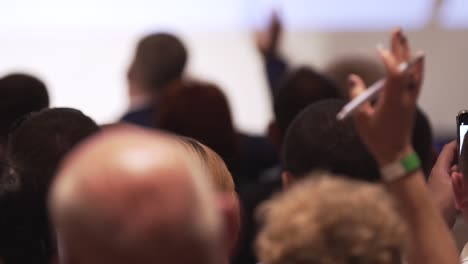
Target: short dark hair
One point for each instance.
(316, 140)
(297, 90)
(160, 58)
(35, 148)
(20, 94)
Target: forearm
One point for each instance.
(431, 241)
(275, 67)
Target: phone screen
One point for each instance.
(463, 129)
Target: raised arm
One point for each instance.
(386, 130)
(267, 44)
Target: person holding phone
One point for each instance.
(449, 182)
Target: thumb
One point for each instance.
(356, 88)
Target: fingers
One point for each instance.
(395, 44)
(454, 168)
(400, 83)
(356, 87)
(389, 60)
(400, 47)
(447, 155)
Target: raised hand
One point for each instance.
(268, 40)
(386, 128)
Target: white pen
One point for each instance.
(372, 92)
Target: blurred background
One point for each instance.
(82, 49)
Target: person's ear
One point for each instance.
(287, 179)
(275, 135)
(230, 212)
(460, 189)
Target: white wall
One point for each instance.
(82, 49)
(87, 70)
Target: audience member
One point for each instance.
(354, 190)
(35, 147)
(201, 111)
(134, 196)
(329, 219)
(159, 60)
(20, 94)
(299, 89)
(225, 188)
(316, 140)
(386, 131)
(277, 70)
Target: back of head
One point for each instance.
(134, 196)
(20, 94)
(35, 148)
(316, 140)
(224, 185)
(370, 70)
(200, 111)
(329, 219)
(159, 59)
(221, 177)
(299, 89)
(38, 143)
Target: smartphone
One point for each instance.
(462, 127)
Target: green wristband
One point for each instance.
(400, 168)
(411, 162)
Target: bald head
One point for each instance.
(133, 196)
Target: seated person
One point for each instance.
(328, 219)
(20, 94)
(386, 131)
(159, 60)
(316, 140)
(225, 188)
(35, 148)
(201, 111)
(299, 88)
(135, 196)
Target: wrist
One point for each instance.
(400, 167)
(388, 158)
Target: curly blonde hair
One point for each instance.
(326, 219)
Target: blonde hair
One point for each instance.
(220, 175)
(325, 219)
